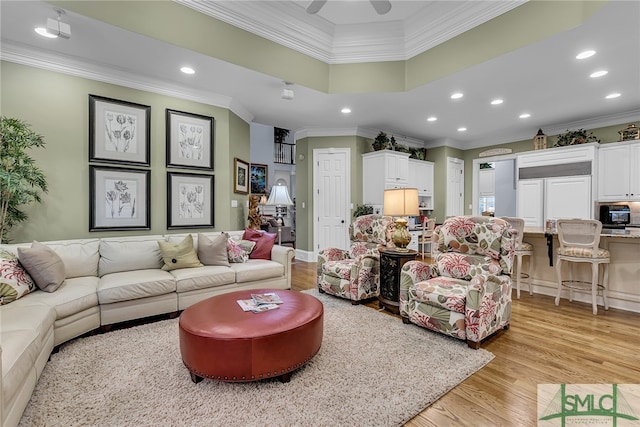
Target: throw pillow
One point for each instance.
(43, 265)
(213, 252)
(238, 252)
(15, 282)
(179, 255)
(264, 243)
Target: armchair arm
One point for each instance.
(488, 305)
(413, 272)
(365, 275)
(330, 254)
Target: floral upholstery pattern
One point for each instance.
(354, 274)
(466, 292)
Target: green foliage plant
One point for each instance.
(575, 137)
(20, 179)
(362, 210)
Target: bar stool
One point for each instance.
(522, 249)
(579, 240)
(428, 226)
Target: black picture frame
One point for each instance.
(240, 176)
(190, 140)
(119, 131)
(259, 178)
(119, 198)
(190, 200)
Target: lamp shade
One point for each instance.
(279, 196)
(401, 202)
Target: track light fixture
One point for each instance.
(55, 27)
(287, 92)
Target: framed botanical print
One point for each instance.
(189, 140)
(189, 200)
(119, 131)
(259, 178)
(240, 176)
(119, 199)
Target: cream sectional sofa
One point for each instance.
(111, 280)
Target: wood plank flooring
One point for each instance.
(545, 345)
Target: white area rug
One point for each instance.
(372, 370)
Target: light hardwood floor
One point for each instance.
(545, 345)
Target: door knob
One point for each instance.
(342, 221)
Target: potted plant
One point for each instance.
(381, 142)
(575, 137)
(362, 210)
(20, 178)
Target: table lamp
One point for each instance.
(279, 197)
(401, 202)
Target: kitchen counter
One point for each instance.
(624, 268)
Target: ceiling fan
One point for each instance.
(381, 6)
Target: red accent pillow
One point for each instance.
(264, 243)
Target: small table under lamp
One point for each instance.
(279, 197)
(401, 202)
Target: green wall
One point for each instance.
(304, 179)
(57, 107)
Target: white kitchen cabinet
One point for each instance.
(619, 172)
(486, 182)
(383, 170)
(531, 202)
(421, 176)
(554, 198)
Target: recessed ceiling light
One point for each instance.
(432, 119)
(44, 33)
(457, 95)
(187, 70)
(497, 102)
(462, 129)
(599, 73)
(585, 54)
(525, 115)
(345, 110)
(612, 95)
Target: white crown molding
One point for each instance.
(288, 24)
(355, 131)
(20, 54)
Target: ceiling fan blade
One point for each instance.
(315, 6)
(381, 6)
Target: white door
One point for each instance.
(530, 202)
(568, 197)
(455, 187)
(331, 195)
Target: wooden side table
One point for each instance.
(391, 262)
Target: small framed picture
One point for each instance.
(189, 200)
(240, 176)
(259, 178)
(189, 140)
(119, 131)
(119, 199)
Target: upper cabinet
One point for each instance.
(386, 169)
(619, 172)
(486, 182)
(421, 176)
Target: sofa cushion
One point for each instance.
(209, 276)
(238, 251)
(257, 269)
(130, 285)
(340, 268)
(179, 255)
(45, 267)
(14, 280)
(80, 257)
(119, 254)
(213, 251)
(73, 296)
(443, 292)
(264, 243)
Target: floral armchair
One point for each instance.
(466, 292)
(354, 274)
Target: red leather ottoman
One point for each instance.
(220, 341)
